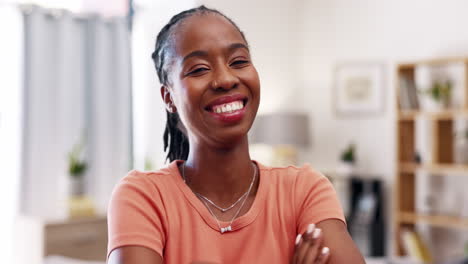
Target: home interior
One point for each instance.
(374, 94)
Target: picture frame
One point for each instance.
(359, 89)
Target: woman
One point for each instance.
(212, 203)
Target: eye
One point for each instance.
(240, 63)
(198, 71)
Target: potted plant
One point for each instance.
(76, 169)
(461, 147)
(347, 161)
(438, 95)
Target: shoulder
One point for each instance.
(309, 193)
(143, 188)
(145, 180)
(137, 213)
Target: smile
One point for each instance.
(228, 107)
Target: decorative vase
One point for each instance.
(345, 169)
(76, 186)
(432, 105)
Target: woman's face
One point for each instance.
(212, 81)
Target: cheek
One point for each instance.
(252, 79)
(190, 93)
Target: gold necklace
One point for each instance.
(215, 205)
(204, 199)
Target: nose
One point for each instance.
(224, 79)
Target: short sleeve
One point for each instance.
(316, 199)
(136, 215)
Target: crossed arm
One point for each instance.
(337, 239)
(334, 236)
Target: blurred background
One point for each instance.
(374, 94)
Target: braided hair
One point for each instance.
(175, 139)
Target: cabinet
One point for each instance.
(84, 239)
(442, 143)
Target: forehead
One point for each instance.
(205, 32)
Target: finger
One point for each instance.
(324, 255)
(302, 245)
(297, 244)
(313, 251)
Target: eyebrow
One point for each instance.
(201, 53)
(238, 46)
(196, 53)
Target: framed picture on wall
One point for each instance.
(359, 89)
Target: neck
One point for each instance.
(219, 173)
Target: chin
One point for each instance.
(231, 136)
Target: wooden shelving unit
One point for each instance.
(410, 167)
(433, 220)
(442, 115)
(442, 123)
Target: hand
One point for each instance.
(309, 248)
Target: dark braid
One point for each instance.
(175, 140)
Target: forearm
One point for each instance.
(342, 247)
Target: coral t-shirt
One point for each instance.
(159, 211)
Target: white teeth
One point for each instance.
(229, 107)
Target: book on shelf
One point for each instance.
(415, 247)
(408, 94)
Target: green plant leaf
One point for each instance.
(348, 154)
(440, 91)
(76, 166)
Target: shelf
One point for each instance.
(433, 62)
(433, 220)
(440, 127)
(409, 167)
(406, 66)
(442, 115)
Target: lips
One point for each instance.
(225, 100)
(228, 109)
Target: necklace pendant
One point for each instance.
(226, 229)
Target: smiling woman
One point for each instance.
(212, 203)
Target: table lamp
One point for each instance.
(284, 132)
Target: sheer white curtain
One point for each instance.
(77, 84)
(11, 69)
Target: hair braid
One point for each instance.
(176, 143)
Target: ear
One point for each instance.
(167, 98)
